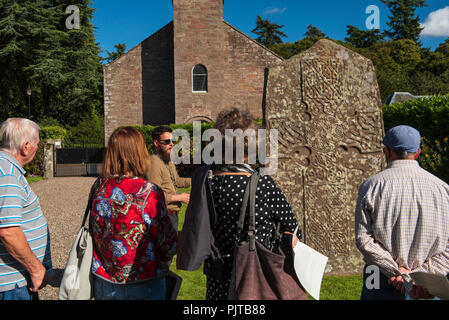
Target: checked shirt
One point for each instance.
(402, 220)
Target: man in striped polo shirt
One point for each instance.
(24, 236)
(402, 221)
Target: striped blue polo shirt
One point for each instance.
(19, 207)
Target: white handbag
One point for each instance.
(76, 283)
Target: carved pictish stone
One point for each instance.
(326, 105)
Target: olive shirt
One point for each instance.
(164, 174)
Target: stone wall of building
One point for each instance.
(152, 83)
(235, 62)
(123, 91)
(198, 39)
(244, 75)
(158, 92)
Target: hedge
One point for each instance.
(430, 116)
(148, 129)
(52, 132)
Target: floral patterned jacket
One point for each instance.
(134, 239)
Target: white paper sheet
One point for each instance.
(309, 266)
(436, 284)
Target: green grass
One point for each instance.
(193, 285)
(341, 287)
(33, 179)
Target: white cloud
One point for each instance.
(437, 23)
(274, 10)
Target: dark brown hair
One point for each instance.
(157, 132)
(233, 119)
(126, 153)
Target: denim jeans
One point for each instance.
(147, 290)
(19, 293)
(384, 292)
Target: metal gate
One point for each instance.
(78, 162)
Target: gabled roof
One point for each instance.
(401, 97)
(244, 34)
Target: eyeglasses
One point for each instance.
(167, 141)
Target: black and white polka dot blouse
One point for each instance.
(271, 208)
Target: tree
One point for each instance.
(314, 32)
(286, 49)
(120, 49)
(443, 48)
(361, 38)
(269, 33)
(60, 65)
(24, 26)
(403, 23)
(406, 53)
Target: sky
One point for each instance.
(132, 21)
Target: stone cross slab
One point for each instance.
(326, 105)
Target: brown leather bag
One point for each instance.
(259, 273)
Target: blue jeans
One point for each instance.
(148, 290)
(17, 293)
(384, 292)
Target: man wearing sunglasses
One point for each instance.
(163, 173)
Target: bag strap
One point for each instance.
(89, 202)
(243, 208)
(249, 197)
(252, 212)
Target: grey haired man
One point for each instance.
(25, 257)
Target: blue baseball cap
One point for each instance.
(403, 139)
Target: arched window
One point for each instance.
(199, 78)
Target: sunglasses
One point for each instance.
(167, 141)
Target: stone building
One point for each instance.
(189, 70)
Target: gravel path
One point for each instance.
(63, 201)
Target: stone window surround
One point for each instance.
(206, 74)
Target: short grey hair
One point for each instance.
(14, 132)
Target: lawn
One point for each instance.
(193, 285)
(33, 179)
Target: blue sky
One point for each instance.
(132, 21)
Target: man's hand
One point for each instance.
(398, 281)
(184, 197)
(39, 279)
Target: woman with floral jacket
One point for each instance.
(134, 241)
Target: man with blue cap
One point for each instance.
(402, 221)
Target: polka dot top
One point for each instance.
(271, 208)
